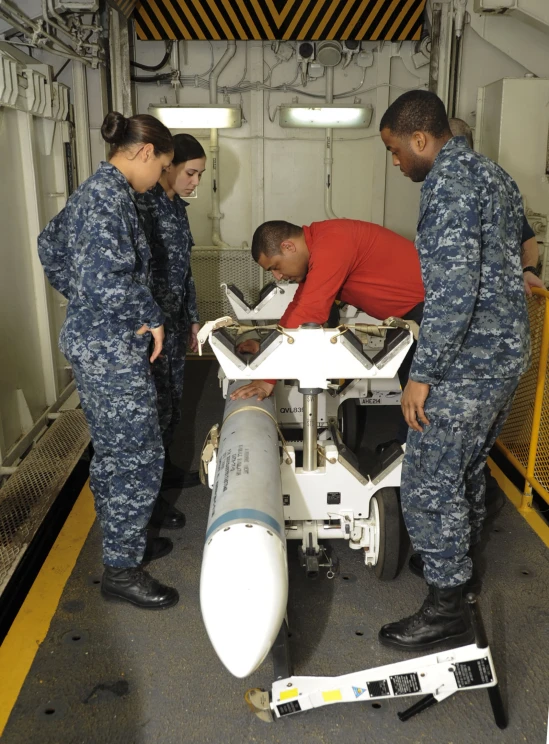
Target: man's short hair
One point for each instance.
(460, 128)
(268, 237)
(416, 111)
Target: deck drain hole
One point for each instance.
(49, 711)
(377, 706)
(359, 633)
(76, 637)
(525, 573)
(348, 578)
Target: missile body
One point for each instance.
(244, 577)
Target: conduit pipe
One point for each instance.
(216, 215)
(22, 22)
(328, 154)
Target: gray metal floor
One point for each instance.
(138, 677)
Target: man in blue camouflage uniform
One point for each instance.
(472, 349)
(95, 253)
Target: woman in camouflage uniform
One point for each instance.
(165, 217)
(95, 253)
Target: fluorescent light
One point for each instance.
(327, 115)
(209, 116)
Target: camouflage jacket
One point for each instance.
(95, 253)
(475, 321)
(169, 234)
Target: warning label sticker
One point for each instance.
(473, 673)
(285, 709)
(378, 689)
(405, 684)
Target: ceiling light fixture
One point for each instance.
(208, 116)
(326, 116)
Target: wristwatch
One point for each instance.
(533, 269)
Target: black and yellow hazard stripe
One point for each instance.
(31, 625)
(126, 7)
(395, 20)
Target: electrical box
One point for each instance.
(76, 6)
(512, 128)
(493, 6)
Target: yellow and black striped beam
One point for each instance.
(126, 7)
(372, 20)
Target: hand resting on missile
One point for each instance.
(258, 388)
(250, 346)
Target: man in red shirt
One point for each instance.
(357, 262)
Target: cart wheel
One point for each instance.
(348, 424)
(390, 533)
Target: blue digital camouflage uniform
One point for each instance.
(169, 235)
(95, 253)
(473, 346)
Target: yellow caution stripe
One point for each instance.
(31, 625)
(384, 20)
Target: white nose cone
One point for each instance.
(243, 594)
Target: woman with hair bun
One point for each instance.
(95, 253)
(167, 227)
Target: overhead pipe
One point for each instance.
(49, 12)
(23, 23)
(228, 54)
(328, 153)
(14, 23)
(216, 215)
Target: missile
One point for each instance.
(244, 576)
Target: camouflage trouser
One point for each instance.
(168, 372)
(118, 398)
(443, 485)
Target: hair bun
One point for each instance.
(114, 128)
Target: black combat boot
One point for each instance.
(136, 586)
(166, 516)
(176, 477)
(441, 618)
(474, 585)
(157, 547)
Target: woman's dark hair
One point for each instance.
(142, 129)
(186, 147)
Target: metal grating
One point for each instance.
(29, 493)
(541, 469)
(517, 432)
(211, 268)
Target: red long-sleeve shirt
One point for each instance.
(359, 263)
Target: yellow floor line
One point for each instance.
(33, 620)
(532, 517)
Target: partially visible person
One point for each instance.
(358, 262)
(164, 213)
(530, 251)
(94, 253)
(473, 347)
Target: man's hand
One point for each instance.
(531, 280)
(413, 402)
(258, 387)
(193, 333)
(251, 346)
